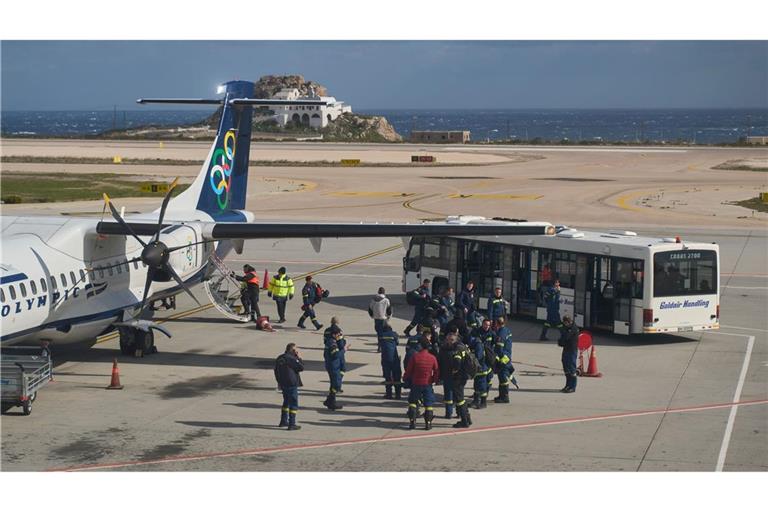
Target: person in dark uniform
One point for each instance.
(504, 368)
(552, 301)
(487, 336)
(445, 362)
(310, 296)
(477, 346)
(422, 371)
(390, 361)
(465, 302)
(569, 340)
(287, 368)
(446, 308)
(460, 351)
(422, 299)
(249, 296)
(332, 358)
(497, 307)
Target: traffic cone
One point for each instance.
(115, 383)
(264, 282)
(592, 370)
(263, 323)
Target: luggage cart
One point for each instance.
(24, 370)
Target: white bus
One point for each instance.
(614, 281)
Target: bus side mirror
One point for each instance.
(405, 263)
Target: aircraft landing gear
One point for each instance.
(136, 342)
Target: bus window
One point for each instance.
(547, 273)
(435, 253)
(413, 260)
(43, 286)
(33, 287)
(565, 269)
(684, 273)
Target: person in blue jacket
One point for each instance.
(422, 299)
(497, 307)
(390, 361)
(332, 356)
(552, 301)
(504, 366)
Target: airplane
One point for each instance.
(69, 280)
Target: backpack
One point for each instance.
(469, 364)
(490, 355)
(320, 294)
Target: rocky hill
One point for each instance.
(359, 128)
(268, 85)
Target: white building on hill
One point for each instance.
(314, 116)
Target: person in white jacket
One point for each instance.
(380, 309)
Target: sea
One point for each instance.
(690, 126)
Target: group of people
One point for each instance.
(281, 289)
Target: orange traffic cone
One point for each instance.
(115, 383)
(263, 323)
(592, 370)
(264, 282)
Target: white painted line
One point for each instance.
(734, 407)
(741, 329)
(745, 287)
(390, 276)
(567, 150)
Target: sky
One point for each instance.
(97, 75)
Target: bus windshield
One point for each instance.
(691, 272)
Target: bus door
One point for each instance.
(622, 295)
(470, 262)
(412, 266)
(601, 293)
(527, 281)
(580, 316)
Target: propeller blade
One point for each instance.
(120, 220)
(171, 249)
(147, 284)
(166, 199)
(181, 283)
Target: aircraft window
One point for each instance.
(135, 264)
(127, 267)
(2, 295)
(91, 274)
(43, 286)
(110, 271)
(72, 278)
(101, 273)
(63, 280)
(53, 283)
(119, 267)
(82, 275)
(33, 287)
(22, 289)
(13, 292)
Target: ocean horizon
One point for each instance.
(696, 126)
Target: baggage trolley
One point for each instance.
(23, 372)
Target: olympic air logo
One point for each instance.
(220, 174)
(91, 290)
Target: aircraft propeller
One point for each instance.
(154, 254)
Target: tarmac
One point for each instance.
(208, 401)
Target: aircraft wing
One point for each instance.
(254, 230)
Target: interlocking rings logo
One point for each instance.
(221, 170)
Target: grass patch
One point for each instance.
(739, 165)
(59, 187)
(754, 204)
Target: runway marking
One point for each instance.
(371, 194)
(406, 437)
(409, 205)
(621, 201)
(528, 197)
(198, 309)
(744, 287)
(735, 406)
(742, 329)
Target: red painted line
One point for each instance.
(408, 437)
